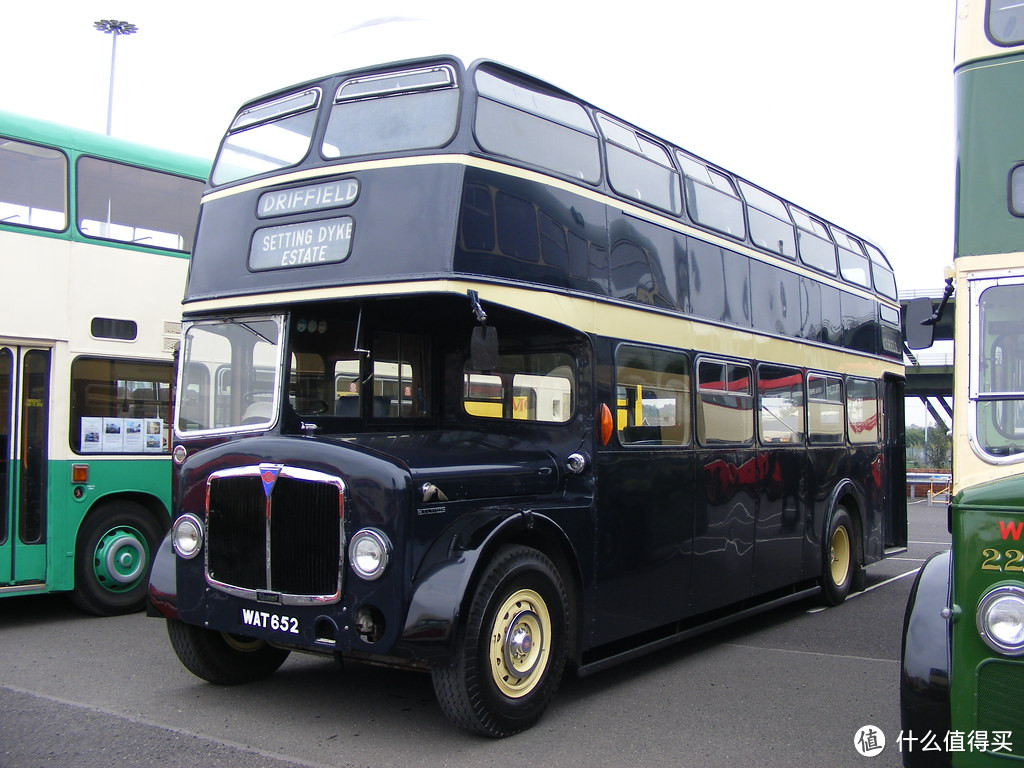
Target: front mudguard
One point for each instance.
(162, 601)
(448, 574)
(925, 657)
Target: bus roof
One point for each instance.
(76, 139)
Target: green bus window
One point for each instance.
(780, 393)
(1006, 21)
(1017, 191)
(725, 403)
(1000, 371)
(33, 186)
(652, 397)
(524, 387)
(119, 406)
(136, 205)
(535, 127)
(862, 410)
(826, 420)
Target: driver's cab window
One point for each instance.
(384, 376)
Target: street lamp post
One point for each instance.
(115, 28)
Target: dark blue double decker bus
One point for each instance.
(480, 379)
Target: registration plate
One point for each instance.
(272, 621)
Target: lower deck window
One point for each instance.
(524, 387)
(119, 406)
(652, 397)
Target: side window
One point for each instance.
(780, 393)
(853, 264)
(813, 243)
(136, 205)
(524, 387)
(119, 406)
(826, 420)
(881, 272)
(652, 397)
(33, 186)
(770, 225)
(639, 168)
(862, 410)
(536, 127)
(711, 198)
(725, 403)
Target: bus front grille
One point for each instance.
(999, 710)
(275, 533)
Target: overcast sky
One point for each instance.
(843, 107)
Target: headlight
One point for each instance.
(369, 552)
(187, 536)
(1001, 620)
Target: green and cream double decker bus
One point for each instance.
(963, 657)
(95, 236)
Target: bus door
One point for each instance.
(24, 408)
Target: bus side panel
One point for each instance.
(781, 518)
(645, 538)
(826, 468)
(146, 481)
(725, 518)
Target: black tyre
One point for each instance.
(838, 558)
(221, 658)
(113, 555)
(512, 648)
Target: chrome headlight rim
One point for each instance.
(1010, 593)
(187, 536)
(379, 543)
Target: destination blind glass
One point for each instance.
(307, 243)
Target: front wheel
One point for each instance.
(838, 556)
(223, 658)
(513, 650)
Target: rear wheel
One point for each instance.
(513, 649)
(223, 658)
(112, 558)
(838, 557)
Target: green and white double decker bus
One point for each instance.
(95, 235)
(963, 645)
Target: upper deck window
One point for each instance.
(640, 169)
(711, 198)
(136, 205)
(268, 136)
(770, 225)
(1006, 21)
(815, 246)
(33, 186)
(885, 280)
(393, 112)
(536, 127)
(853, 264)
